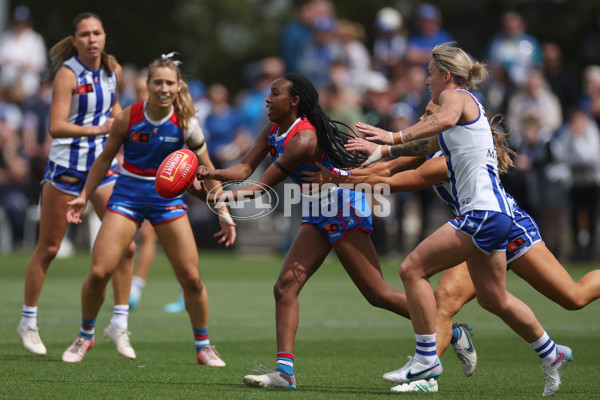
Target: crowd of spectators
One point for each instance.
(553, 123)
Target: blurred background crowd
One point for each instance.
(372, 70)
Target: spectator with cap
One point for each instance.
(389, 46)
(514, 48)
(22, 56)
(428, 35)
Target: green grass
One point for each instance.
(343, 344)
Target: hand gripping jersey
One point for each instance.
(473, 165)
(91, 105)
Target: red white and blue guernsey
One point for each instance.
(71, 158)
(352, 210)
(480, 199)
(524, 233)
(145, 147)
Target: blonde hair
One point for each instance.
(466, 73)
(504, 153)
(183, 103)
(64, 49)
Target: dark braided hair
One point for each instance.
(331, 138)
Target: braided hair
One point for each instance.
(331, 138)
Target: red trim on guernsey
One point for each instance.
(138, 171)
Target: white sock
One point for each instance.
(28, 317)
(137, 285)
(119, 318)
(426, 352)
(545, 349)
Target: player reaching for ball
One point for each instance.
(300, 134)
(149, 131)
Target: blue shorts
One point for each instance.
(488, 229)
(71, 181)
(353, 213)
(524, 234)
(137, 200)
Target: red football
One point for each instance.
(176, 173)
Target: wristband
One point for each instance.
(391, 136)
(375, 156)
(226, 218)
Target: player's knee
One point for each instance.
(573, 302)
(130, 251)
(191, 284)
(408, 272)
(99, 275)
(282, 289)
(446, 302)
(47, 254)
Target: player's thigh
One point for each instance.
(99, 199)
(178, 243)
(359, 259)
(443, 249)
(306, 254)
(53, 216)
(543, 271)
(113, 239)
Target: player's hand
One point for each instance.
(76, 207)
(197, 189)
(105, 127)
(322, 176)
(375, 134)
(205, 173)
(227, 234)
(361, 145)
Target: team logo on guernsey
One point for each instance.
(85, 88)
(139, 137)
(272, 150)
(515, 244)
(331, 228)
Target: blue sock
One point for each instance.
(285, 363)
(456, 334)
(201, 338)
(87, 328)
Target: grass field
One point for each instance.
(343, 344)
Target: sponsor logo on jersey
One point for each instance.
(515, 244)
(139, 137)
(84, 88)
(68, 179)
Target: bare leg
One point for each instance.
(53, 223)
(308, 250)
(358, 256)
(177, 240)
(122, 274)
(542, 270)
(454, 290)
(113, 240)
(489, 277)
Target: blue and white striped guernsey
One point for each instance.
(473, 166)
(91, 105)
